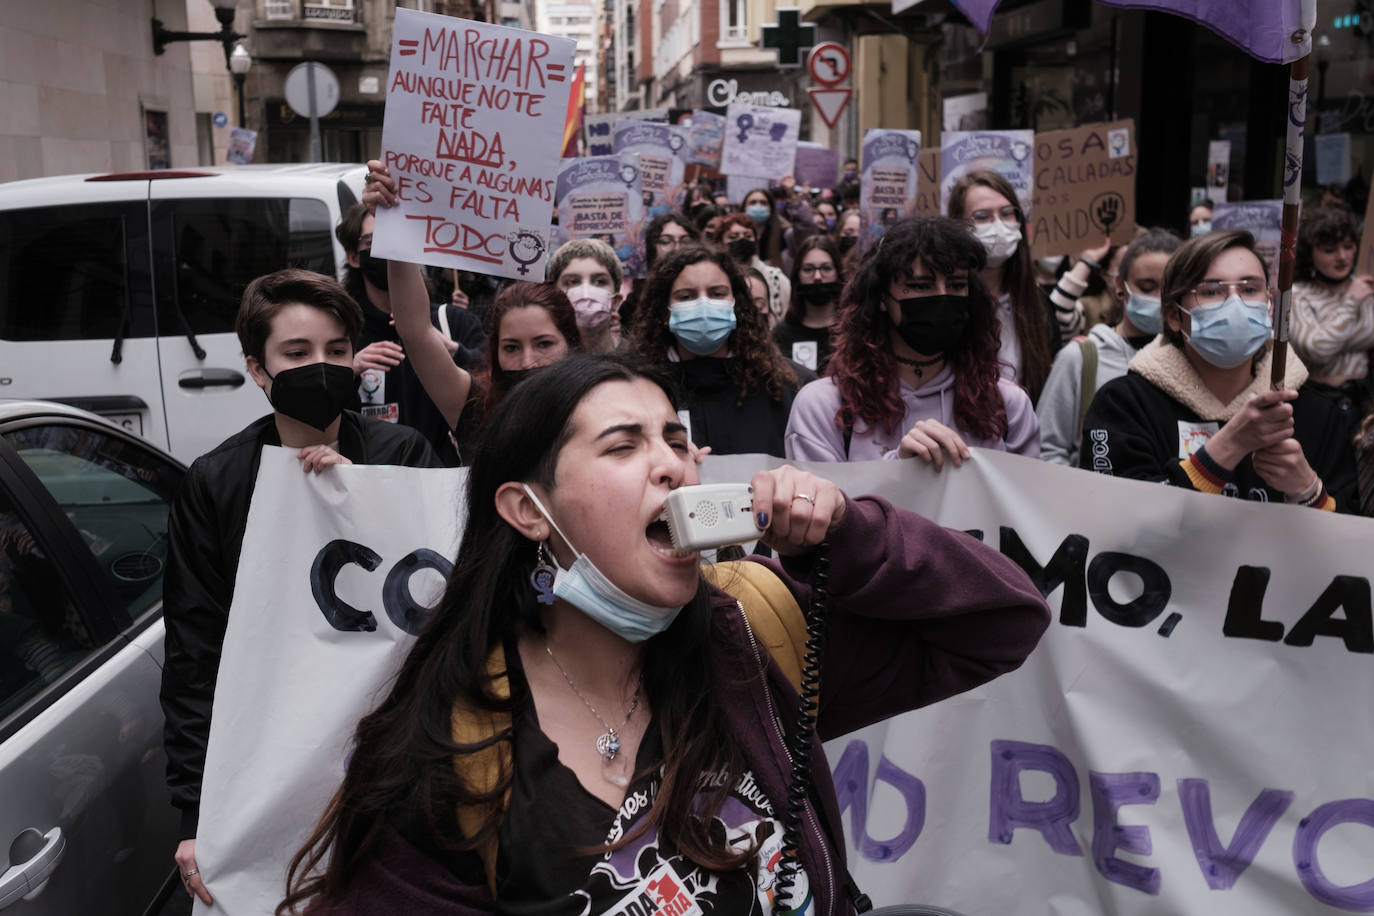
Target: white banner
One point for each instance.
(1193, 734)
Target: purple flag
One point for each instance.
(1276, 31)
(979, 12)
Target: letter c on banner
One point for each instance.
(400, 605)
(332, 558)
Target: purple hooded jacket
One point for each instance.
(919, 613)
(813, 435)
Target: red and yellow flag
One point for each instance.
(577, 102)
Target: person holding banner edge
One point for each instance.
(484, 782)
(297, 330)
(915, 370)
(1195, 408)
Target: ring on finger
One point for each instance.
(806, 496)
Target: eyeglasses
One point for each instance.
(670, 241)
(1212, 292)
(1006, 214)
(811, 270)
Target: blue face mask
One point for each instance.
(757, 212)
(702, 325)
(1201, 227)
(1228, 333)
(586, 588)
(1143, 312)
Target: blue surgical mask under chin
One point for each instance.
(702, 325)
(1228, 333)
(1143, 312)
(586, 588)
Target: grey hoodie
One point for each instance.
(1060, 407)
(813, 435)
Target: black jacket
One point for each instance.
(205, 538)
(709, 398)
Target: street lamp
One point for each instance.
(226, 36)
(239, 62)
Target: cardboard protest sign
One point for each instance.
(760, 140)
(599, 129)
(600, 197)
(1009, 153)
(888, 180)
(474, 118)
(1261, 218)
(817, 166)
(1084, 188)
(705, 137)
(661, 151)
(928, 183)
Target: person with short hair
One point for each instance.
(588, 272)
(297, 330)
(1134, 321)
(1195, 408)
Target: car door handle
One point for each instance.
(25, 880)
(211, 378)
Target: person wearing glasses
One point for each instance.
(1034, 325)
(803, 335)
(666, 231)
(1195, 408)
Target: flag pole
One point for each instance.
(1292, 211)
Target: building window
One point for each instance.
(734, 20)
(279, 9)
(331, 10)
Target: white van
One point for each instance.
(118, 292)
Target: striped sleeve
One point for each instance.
(1205, 474)
(1068, 311)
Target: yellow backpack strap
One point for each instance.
(482, 770)
(771, 608)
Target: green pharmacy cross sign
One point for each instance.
(789, 36)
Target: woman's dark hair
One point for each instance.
(1152, 241)
(406, 768)
(1188, 267)
(862, 365)
(524, 295)
(656, 226)
(1323, 226)
(1018, 281)
(771, 232)
(756, 362)
(796, 309)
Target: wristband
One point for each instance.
(1310, 496)
(1092, 265)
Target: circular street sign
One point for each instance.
(829, 63)
(297, 89)
(220, 119)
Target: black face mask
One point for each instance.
(847, 243)
(820, 293)
(742, 249)
(933, 324)
(374, 269)
(315, 394)
(515, 376)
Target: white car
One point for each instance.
(86, 821)
(118, 292)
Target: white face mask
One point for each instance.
(592, 305)
(999, 240)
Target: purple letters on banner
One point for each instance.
(851, 790)
(1110, 792)
(1222, 865)
(1357, 897)
(1008, 810)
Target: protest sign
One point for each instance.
(817, 166)
(1333, 158)
(760, 141)
(736, 186)
(474, 116)
(1006, 152)
(1219, 167)
(242, 142)
(928, 183)
(1207, 665)
(599, 128)
(705, 136)
(661, 156)
(600, 197)
(1084, 188)
(1261, 218)
(888, 180)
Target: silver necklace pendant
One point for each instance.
(608, 745)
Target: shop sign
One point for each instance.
(723, 92)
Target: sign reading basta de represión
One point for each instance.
(887, 186)
(660, 151)
(600, 197)
(474, 121)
